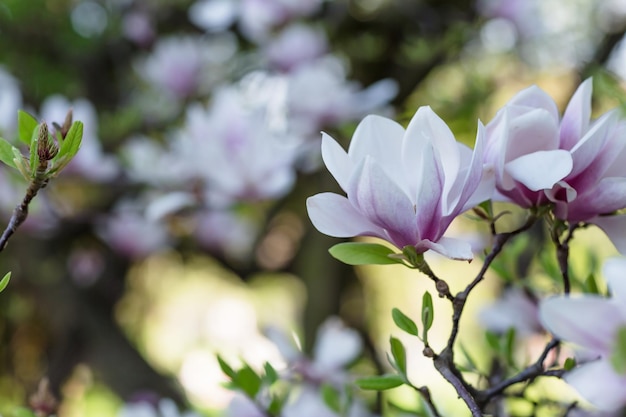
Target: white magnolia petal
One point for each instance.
(449, 247)
(381, 139)
(335, 216)
(336, 161)
(336, 345)
(614, 271)
(607, 196)
(589, 147)
(540, 170)
(576, 117)
(598, 383)
(530, 130)
(426, 127)
(589, 321)
(535, 97)
(428, 198)
(383, 202)
(615, 229)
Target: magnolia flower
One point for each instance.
(515, 309)
(231, 147)
(296, 45)
(257, 18)
(522, 143)
(404, 186)
(182, 66)
(319, 95)
(593, 323)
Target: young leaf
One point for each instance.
(72, 142)
(34, 155)
(380, 383)
(6, 153)
(569, 364)
(399, 354)
(26, 126)
(591, 286)
(5, 281)
(510, 347)
(360, 253)
(270, 373)
(428, 315)
(248, 381)
(404, 322)
(225, 367)
(331, 398)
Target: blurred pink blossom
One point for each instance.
(164, 408)
(513, 310)
(592, 323)
(295, 45)
(403, 186)
(319, 95)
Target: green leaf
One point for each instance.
(72, 142)
(26, 126)
(399, 354)
(380, 383)
(591, 286)
(428, 315)
(493, 341)
(225, 367)
(509, 346)
(270, 373)
(470, 361)
(618, 356)
(5, 281)
(404, 322)
(6, 153)
(331, 398)
(248, 381)
(359, 253)
(569, 364)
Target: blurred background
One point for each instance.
(180, 230)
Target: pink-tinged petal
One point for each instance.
(540, 170)
(471, 180)
(588, 321)
(336, 160)
(607, 196)
(592, 143)
(576, 117)
(598, 383)
(614, 271)
(535, 97)
(615, 229)
(334, 215)
(428, 128)
(381, 201)
(336, 345)
(380, 138)
(530, 130)
(428, 197)
(449, 247)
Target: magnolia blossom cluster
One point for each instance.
(406, 186)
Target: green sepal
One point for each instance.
(331, 398)
(360, 253)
